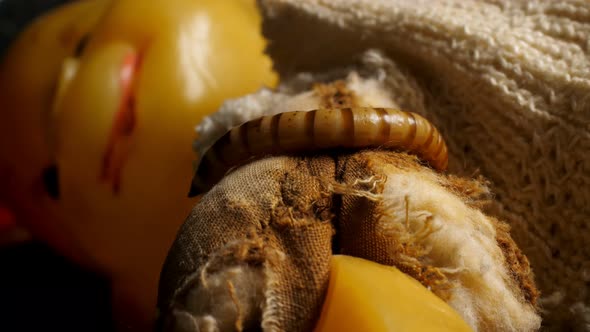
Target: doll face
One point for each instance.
(101, 128)
(28, 81)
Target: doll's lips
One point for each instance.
(120, 137)
(7, 220)
(7, 193)
(10, 232)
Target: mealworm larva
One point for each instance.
(321, 129)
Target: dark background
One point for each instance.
(15, 14)
(39, 290)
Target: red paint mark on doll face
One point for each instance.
(6, 192)
(7, 218)
(119, 141)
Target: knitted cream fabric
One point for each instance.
(508, 84)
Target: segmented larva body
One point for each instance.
(321, 129)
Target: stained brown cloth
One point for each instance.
(255, 251)
(280, 203)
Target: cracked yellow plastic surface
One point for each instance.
(366, 296)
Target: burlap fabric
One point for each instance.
(255, 252)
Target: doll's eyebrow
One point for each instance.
(81, 45)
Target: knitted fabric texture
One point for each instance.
(508, 84)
